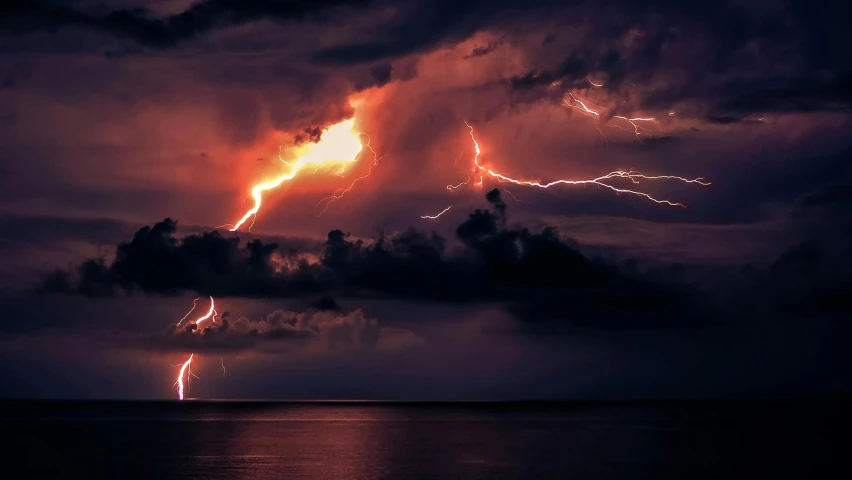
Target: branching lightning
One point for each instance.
(601, 181)
(432, 217)
(186, 367)
(185, 370)
(339, 146)
(210, 315)
(584, 108)
(339, 193)
(194, 303)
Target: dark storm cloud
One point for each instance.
(27, 16)
(481, 51)
(728, 60)
(510, 266)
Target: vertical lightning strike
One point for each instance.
(186, 367)
(185, 370)
(211, 314)
(633, 176)
(339, 146)
(224, 372)
(432, 217)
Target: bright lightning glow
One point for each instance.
(211, 314)
(600, 181)
(339, 193)
(583, 107)
(338, 147)
(185, 370)
(453, 187)
(432, 217)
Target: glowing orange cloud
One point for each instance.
(600, 181)
(339, 193)
(339, 147)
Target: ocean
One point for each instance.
(386, 440)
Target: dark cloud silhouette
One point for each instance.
(810, 279)
(312, 135)
(720, 58)
(492, 263)
(726, 60)
(481, 51)
(134, 24)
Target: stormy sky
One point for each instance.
(133, 130)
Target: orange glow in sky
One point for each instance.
(338, 149)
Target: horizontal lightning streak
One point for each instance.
(600, 181)
(432, 217)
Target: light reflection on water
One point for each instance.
(258, 440)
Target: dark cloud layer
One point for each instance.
(539, 277)
(531, 271)
(204, 16)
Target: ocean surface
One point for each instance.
(375, 440)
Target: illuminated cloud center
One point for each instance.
(340, 146)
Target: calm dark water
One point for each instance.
(260, 440)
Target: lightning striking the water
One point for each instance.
(185, 370)
(339, 146)
(186, 367)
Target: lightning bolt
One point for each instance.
(186, 367)
(637, 129)
(601, 181)
(453, 187)
(211, 314)
(185, 370)
(194, 302)
(339, 193)
(432, 217)
(339, 146)
(224, 372)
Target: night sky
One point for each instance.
(132, 131)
